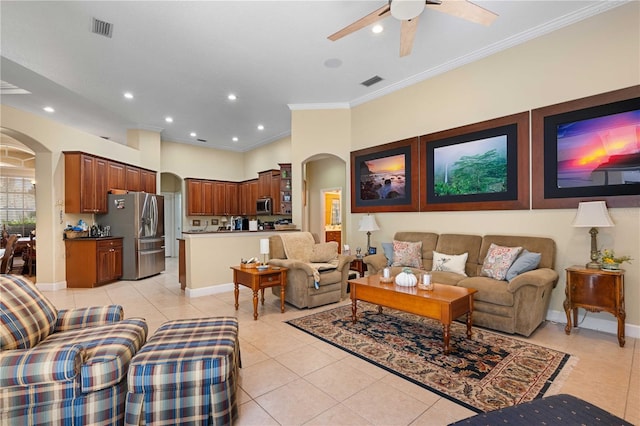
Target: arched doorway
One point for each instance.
(171, 189)
(324, 172)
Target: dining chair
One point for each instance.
(7, 259)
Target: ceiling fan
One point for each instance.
(408, 11)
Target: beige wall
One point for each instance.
(323, 174)
(590, 57)
(597, 55)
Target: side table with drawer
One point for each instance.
(595, 290)
(257, 280)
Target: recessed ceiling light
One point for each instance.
(128, 95)
(260, 127)
(168, 119)
(49, 109)
(232, 97)
(377, 29)
(235, 139)
(333, 63)
(193, 134)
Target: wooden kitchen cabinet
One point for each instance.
(91, 262)
(85, 183)
(147, 181)
(285, 188)
(275, 194)
(208, 198)
(265, 183)
(334, 236)
(219, 201)
(132, 181)
(231, 198)
(194, 197)
(116, 176)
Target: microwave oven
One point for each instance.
(264, 206)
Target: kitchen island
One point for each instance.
(205, 258)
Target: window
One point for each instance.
(17, 204)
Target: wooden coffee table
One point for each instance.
(444, 303)
(258, 280)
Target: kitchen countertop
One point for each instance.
(111, 237)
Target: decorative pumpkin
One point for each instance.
(406, 278)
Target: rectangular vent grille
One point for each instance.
(7, 88)
(201, 140)
(373, 80)
(102, 28)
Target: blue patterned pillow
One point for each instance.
(26, 316)
(388, 252)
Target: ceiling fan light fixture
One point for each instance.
(406, 9)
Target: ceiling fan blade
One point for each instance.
(407, 35)
(374, 16)
(466, 10)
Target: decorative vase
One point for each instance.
(406, 279)
(611, 266)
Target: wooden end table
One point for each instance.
(444, 303)
(258, 280)
(595, 290)
(359, 266)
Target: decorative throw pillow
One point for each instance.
(498, 260)
(406, 253)
(26, 316)
(527, 261)
(324, 252)
(449, 262)
(388, 252)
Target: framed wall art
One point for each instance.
(482, 166)
(384, 178)
(587, 149)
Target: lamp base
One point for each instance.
(593, 265)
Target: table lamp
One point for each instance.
(264, 249)
(593, 214)
(368, 224)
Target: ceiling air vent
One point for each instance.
(373, 80)
(201, 140)
(102, 28)
(7, 88)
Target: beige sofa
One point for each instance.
(516, 306)
(301, 291)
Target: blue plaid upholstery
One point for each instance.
(76, 375)
(26, 316)
(187, 373)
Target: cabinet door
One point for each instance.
(275, 193)
(253, 196)
(264, 184)
(148, 181)
(243, 195)
(209, 201)
(194, 197)
(132, 178)
(87, 184)
(109, 261)
(115, 175)
(101, 186)
(231, 198)
(334, 236)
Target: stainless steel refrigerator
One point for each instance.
(138, 217)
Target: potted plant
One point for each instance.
(610, 261)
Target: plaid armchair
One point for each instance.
(62, 367)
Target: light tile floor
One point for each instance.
(291, 378)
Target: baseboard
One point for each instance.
(598, 324)
(207, 291)
(52, 286)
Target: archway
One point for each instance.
(322, 172)
(171, 188)
(49, 275)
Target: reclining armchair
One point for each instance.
(62, 366)
(317, 274)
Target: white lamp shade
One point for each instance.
(406, 9)
(592, 214)
(264, 246)
(368, 224)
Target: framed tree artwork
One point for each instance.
(482, 166)
(587, 149)
(384, 178)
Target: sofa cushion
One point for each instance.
(108, 350)
(407, 253)
(527, 261)
(489, 290)
(450, 262)
(324, 252)
(26, 315)
(498, 260)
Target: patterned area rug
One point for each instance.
(487, 372)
